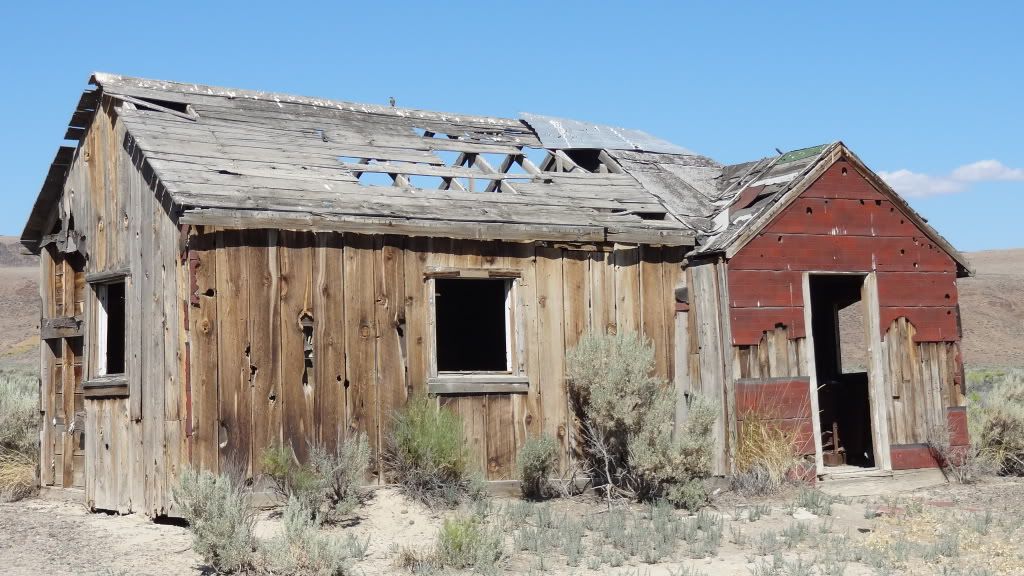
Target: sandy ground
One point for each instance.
(46, 537)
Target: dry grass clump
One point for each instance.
(633, 446)
(329, 485)
(17, 475)
(765, 454)
(19, 434)
(427, 454)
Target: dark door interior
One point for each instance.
(843, 400)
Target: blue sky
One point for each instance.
(929, 94)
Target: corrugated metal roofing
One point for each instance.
(564, 133)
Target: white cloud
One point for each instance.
(917, 184)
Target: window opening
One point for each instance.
(472, 324)
(111, 328)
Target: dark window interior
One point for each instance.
(115, 328)
(843, 401)
(470, 325)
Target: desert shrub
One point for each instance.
(19, 434)
(534, 464)
(302, 549)
(329, 485)
(463, 542)
(19, 411)
(963, 464)
(633, 444)
(427, 455)
(221, 518)
(996, 420)
(765, 453)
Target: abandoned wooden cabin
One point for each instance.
(224, 269)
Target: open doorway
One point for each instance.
(838, 324)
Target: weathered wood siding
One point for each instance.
(368, 299)
(132, 446)
(841, 223)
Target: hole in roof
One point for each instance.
(494, 160)
(376, 179)
(426, 182)
(587, 158)
(421, 131)
(449, 157)
(176, 106)
(536, 156)
(651, 215)
(517, 168)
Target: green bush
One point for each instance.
(534, 464)
(221, 518)
(329, 485)
(633, 445)
(463, 542)
(427, 454)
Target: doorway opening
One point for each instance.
(838, 324)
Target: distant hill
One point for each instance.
(991, 307)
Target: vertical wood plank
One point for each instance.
(627, 288)
(501, 448)
(329, 340)
(204, 355)
(653, 318)
(360, 340)
(389, 317)
(602, 303)
(416, 313)
(551, 341)
(263, 268)
(235, 395)
(298, 384)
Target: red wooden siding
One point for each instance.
(912, 457)
(841, 223)
(956, 420)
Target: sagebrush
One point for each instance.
(19, 434)
(996, 418)
(328, 486)
(301, 548)
(427, 455)
(535, 463)
(633, 445)
(221, 518)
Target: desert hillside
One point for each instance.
(991, 305)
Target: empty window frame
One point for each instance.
(473, 325)
(110, 327)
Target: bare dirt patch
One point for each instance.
(947, 530)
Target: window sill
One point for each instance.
(469, 383)
(109, 386)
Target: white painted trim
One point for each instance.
(101, 329)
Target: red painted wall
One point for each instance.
(841, 223)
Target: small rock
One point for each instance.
(804, 514)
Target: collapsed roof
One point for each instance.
(241, 158)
